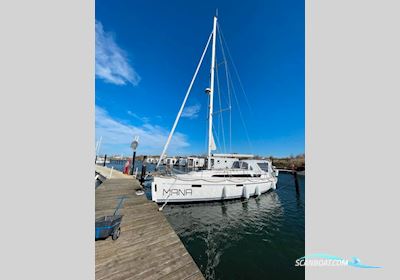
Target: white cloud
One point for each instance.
(191, 112)
(117, 136)
(112, 64)
(136, 116)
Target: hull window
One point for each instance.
(196, 186)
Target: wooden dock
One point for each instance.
(148, 247)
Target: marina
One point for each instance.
(218, 212)
(222, 237)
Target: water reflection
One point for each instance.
(239, 239)
(219, 225)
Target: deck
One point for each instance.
(148, 247)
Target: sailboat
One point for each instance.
(240, 177)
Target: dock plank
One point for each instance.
(148, 247)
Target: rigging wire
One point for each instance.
(221, 118)
(242, 119)
(184, 103)
(235, 69)
(230, 80)
(228, 88)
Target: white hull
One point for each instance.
(177, 190)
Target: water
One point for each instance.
(257, 239)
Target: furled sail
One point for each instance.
(213, 146)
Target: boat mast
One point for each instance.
(211, 92)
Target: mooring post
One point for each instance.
(133, 161)
(105, 159)
(143, 175)
(296, 180)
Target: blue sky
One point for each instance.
(147, 52)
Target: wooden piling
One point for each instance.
(296, 180)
